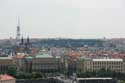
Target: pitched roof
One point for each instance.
(6, 77)
(19, 57)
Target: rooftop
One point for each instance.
(6, 77)
(29, 57)
(19, 57)
(58, 57)
(94, 78)
(107, 59)
(44, 56)
(5, 57)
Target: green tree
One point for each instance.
(12, 71)
(37, 75)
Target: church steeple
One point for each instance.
(22, 41)
(27, 45)
(18, 30)
(28, 40)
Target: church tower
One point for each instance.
(18, 31)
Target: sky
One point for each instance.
(63, 18)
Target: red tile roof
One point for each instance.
(6, 77)
(19, 57)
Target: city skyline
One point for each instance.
(63, 18)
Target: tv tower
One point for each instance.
(18, 30)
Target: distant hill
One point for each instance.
(58, 42)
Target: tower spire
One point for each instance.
(28, 40)
(18, 30)
(22, 41)
(18, 21)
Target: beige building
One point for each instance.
(117, 65)
(42, 63)
(6, 63)
(19, 60)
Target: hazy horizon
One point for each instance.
(63, 18)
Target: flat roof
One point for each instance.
(107, 59)
(5, 57)
(44, 56)
(29, 57)
(94, 78)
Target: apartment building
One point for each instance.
(117, 65)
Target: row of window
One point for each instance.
(44, 66)
(3, 68)
(112, 63)
(110, 66)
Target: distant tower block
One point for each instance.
(18, 31)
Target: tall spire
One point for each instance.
(18, 30)
(28, 40)
(18, 21)
(22, 41)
